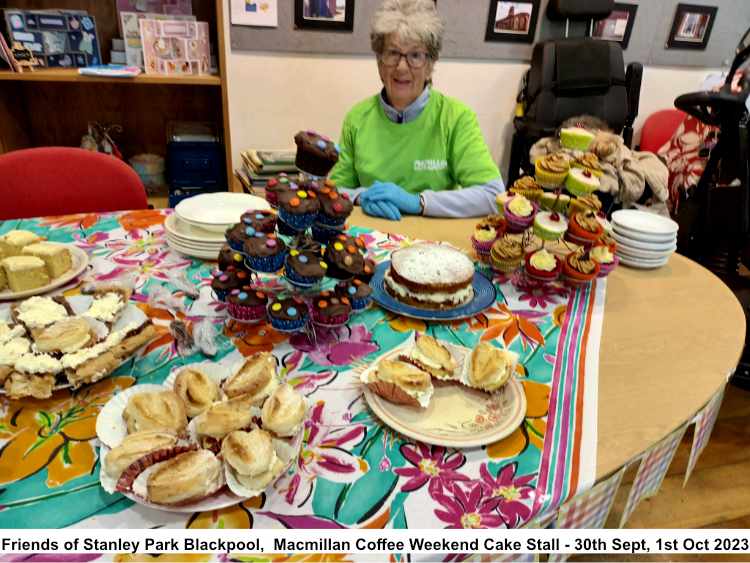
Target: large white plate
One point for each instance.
(216, 211)
(80, 260)
(451, 417)
(186, 232)
(641, 263)
(644, 222)
(193, 252)
(644, 245)
(643, 237)
(647, 254)
(197, 245)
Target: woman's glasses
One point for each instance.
(415, 59)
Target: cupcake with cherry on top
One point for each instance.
(584, 229)
(486, 232)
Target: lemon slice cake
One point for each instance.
(13, 242)
(25, 272)
(3, 279)
(56, 257)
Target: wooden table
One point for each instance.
(671, 338)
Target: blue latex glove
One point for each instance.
(396, 195)
(380, 209)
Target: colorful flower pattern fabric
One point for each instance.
(352, 471)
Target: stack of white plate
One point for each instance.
(644, 240)
(198, 224)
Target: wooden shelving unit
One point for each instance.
(52, 107)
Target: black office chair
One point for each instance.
(570, 77)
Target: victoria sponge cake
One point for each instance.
(430, 276)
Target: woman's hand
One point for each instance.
(380, 209)
(381, 192)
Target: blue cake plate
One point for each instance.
(484, 297)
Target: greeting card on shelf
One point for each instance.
(131, 33)
(175, 47)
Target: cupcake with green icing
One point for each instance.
(551, 201)
(576, 138)
(550, 225)
(581, 182)
(588, 161)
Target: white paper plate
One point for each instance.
(193, 252)
(644, 245)
(646, 254)
(210, 246)
(216, 211)
(644, 222)
(79, 259)
(110, 426)
(642, 264)
(183, 231)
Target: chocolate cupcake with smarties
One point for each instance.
(264, 252)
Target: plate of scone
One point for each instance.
(444, 394)
(433, 282)
(52, 343)
(29, 265)
(210, 436)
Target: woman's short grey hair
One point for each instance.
(409, 20)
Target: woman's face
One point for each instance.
(403, 81)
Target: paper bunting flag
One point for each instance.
(589, 509)
(651, 472)
(704, 425)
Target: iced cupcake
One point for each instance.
(550, 225)
(552, 201)
(288, 314)
(585, 203)
(581, 182)
(298, 209)
(527, 187)
(519, 213)
(304, 268)
(551, 170)
(506, 254)
(588, 161)
(606, 259)
(358, 292)
(576, 138)
(584, 229)
(331, 309)
(486, 232)
(247, 305)
(264, 253)
(579, 269)
(542, 266)
(278, 185)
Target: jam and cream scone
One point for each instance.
(490, 367)
(401, 383)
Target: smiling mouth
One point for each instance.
(404, 82)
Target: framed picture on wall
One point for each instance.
(334, 15)
(691, 28)
(513, 21)
(618, 26)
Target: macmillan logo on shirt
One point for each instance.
(430, 165)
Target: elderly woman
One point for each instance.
(411, 149)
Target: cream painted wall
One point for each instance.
(272, 96)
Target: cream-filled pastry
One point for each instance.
(402, 383)
(66, 336)
(433, 357)
(188, 477)
(249, 453)
(256, 378)
(262, 480)
(135, 447)
(284, 411)
(197, 390)
(491, 367)
(159, 410)
(222, 418)
(19, 385)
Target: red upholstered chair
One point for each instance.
(659, 128)
(61, 180)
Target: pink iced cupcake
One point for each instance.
(607, 260)
(519, 213)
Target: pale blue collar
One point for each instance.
(411, 112)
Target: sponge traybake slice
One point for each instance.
(25, 272)
(13, 242)
(55, 256)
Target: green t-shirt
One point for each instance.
(442, 149)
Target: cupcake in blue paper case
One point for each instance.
(335, 208)
(261, 220)
(286, 230)
(304, 267)
(358, 292)
(237, 235)
(316, 153)
(222, 283)
(288, 314)
(264, 253)
(325, 233)
(299, 209)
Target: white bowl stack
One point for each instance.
(644, 240)
(197, 226)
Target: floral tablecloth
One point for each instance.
(352, 471)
